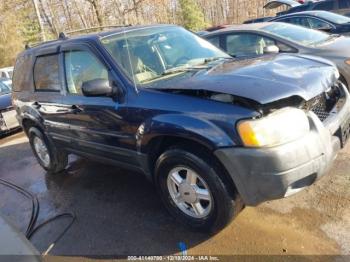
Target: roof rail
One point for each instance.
(63, 35)
(28, 46)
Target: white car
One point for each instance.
(6, 72)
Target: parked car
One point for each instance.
(266, 38)
(6, 72)
(8, 120)
(6, 81)
(320, 20)
(258, 20)
(213, 134)
(341, 7)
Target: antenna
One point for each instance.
(129, 56)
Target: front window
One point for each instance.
(334, 18)
(297, 34)
(150, 54)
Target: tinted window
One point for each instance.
(22, 78)
(344, 4)
(326, 6)
(215, 41)
(296, 34)
(80, 67)
(303, 21)
(46, 74)
(247, 44)
(317, 24)
(332, 17)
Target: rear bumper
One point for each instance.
(271, 173)
(8, 120)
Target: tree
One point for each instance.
(192, 15)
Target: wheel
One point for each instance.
(193, 192)
(48, 156)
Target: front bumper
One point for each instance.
(270, 173)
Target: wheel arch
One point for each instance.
(158, 145)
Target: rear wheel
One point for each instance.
(193, 192)
(49, 157)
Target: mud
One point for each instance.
(119, 213)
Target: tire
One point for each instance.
(57, 159)
(222, 207)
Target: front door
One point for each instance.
(96, 125)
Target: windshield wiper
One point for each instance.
(212, 59)
(182, 69)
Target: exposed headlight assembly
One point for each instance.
(279, 127)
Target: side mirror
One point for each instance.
(97, 87)
(326, 28)
(271, 49)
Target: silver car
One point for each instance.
(266, 38)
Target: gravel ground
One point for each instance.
(119, 213)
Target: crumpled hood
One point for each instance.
(265, 79)
(5, 101)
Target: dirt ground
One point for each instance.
(119, 213)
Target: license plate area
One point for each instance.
(9, 118)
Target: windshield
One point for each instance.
(334, 18)
(298, 34)
(153, 53)
(4, 89)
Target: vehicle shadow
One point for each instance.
(118, 212)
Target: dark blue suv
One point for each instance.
(213, 133)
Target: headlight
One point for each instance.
(347, 61)
(279, 127)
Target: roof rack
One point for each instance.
(64, 35)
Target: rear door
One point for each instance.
(47, 96)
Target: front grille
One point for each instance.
(323, 104)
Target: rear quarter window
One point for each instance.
(22, 77)
(46, 73)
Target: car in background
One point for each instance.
(6, 81)
(258, 20)
(6, 72)
(265, 38)
(8, 120)
(341, 7)
(320, 20)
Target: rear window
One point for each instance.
(22, 77)
(326, 6)
(46, 74)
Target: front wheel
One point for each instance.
(193, 192)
